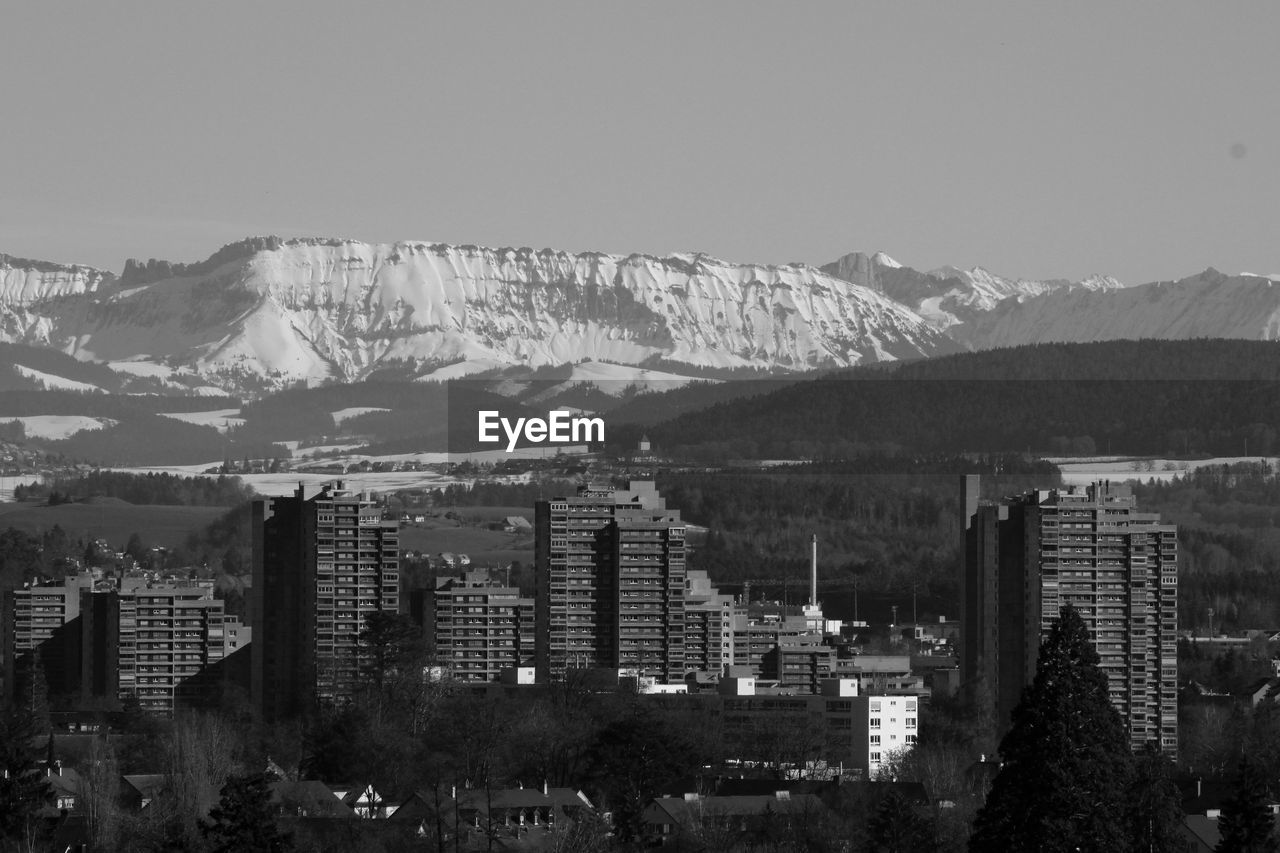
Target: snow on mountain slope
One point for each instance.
(24, 282)
(948, 297)
(223, 420)
(57, 427)
(1209, 305)
(321, 309)
(53, 382)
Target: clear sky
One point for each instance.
(1035, 139)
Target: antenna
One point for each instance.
(813, 574)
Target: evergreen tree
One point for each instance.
(243, 821)
(1246, 823)
(1155, 814)
(897, 827)
(1067, 770)
(23, 789)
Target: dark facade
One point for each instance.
(320, 565)
(1028, 556)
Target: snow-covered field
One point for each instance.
(614, 377)
(1077, 472)
(377, 481)
(141, 368)
(220, 419)
(55, 427)
(54, 382)
(354, 411)
(8, 484)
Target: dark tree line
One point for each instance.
(1229, 532)
(890, 523)
(1116, 397)
(114, 406)
(150, 489)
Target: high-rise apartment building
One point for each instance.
(1026, 557)
(481, 626)
(103, 643)
(321, 565)
(34, 632)
(610, 578)
(169, 635)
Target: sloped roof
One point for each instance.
(147, 784)
(314, 798)
(681, 811)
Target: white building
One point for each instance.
(891, 724)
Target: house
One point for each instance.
(673, 820)
(1202, 804)
(515, 814)
(1263, 690)
(138, 790)
(307, 799)
(363, 800)
(68, 791)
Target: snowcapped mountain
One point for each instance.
(1208, 305)
(277, 311)
(949, 297)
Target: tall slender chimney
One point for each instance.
(813, 574)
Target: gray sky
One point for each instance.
(1136, 139)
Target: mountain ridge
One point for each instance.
(317, 309)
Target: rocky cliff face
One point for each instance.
(315, 309)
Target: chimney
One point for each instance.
(813, 574)
(1197, 787)
(546, 789)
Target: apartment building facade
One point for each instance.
(35, 632)
(321, 565)
(1029, 555)
(610, 583)
(168, 637)
(481, 626)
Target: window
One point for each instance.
(875, 740)
(875, 723)
(875, 758)
(911, 722)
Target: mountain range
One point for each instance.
(267, 312)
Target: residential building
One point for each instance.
(610, 578)
(101, 644)
(481, 627)
(1027, 556)
(880, 673)
(834, 731)
(168, 636)
(321, 565)
(760, 626)
(37, 620)
(798, 664)
(891, 724)
(708, 625)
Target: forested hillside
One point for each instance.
(1228, 521)
(1126, 397)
